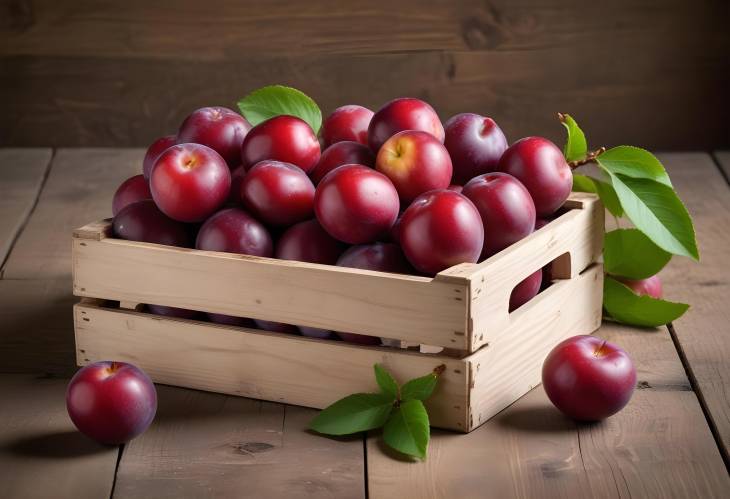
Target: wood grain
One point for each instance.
(305, 294)
(520, 62)
(658, 446)
(79, 189)
(21, 179)
(260, 364)
(36, 326)
(213, 446)
(41, 453)
(702, 333)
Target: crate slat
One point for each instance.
(411, 308)
(258, 364)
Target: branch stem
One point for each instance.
(590, 158)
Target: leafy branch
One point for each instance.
(634, 185)
(399, 410)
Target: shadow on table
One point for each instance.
(535, 419)
(60, 445)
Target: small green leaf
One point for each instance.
(407, 430)
(354, 413)
(629, 253)
(625, 306)
(634, 162)
(655, 210)
(609, 198)
(419, 388)
(386, 382)
(576, 147)
(582, 183)
(275, 100)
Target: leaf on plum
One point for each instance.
(623, 305)
(275, 100)
(629, 253)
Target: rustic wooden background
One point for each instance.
(110, 73)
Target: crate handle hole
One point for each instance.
(524, 291)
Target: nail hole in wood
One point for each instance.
(86, 319)
(82, 244)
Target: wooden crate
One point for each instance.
(492, 357)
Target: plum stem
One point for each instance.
(590, 158)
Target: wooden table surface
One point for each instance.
(670, 441)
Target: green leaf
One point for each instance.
(419, 388)
(407, 430)
(354, 413)
(386, 382)
(582, 183)
(275, 100)
(634, 162)
(655, 210)
(629, 253)
(576, 147)
(625, 306)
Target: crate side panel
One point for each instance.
(349, 300)
(511, 365)
(578, 232)
(268, 366)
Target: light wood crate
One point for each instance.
(492, 357)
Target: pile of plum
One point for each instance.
(393, 191)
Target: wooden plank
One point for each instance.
(243, 27)
(207, 445)
(142, 78)
(79, 189)
(702, 333)
(259, 364)
(20, 184)
(298, 293)
(723, 159)
(41, 453)
(658, 446)
(134, 101)
(36, 327)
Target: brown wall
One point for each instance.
(120, 73)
